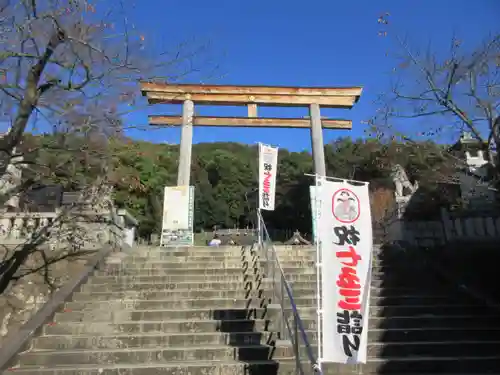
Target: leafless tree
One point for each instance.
(438, 95)
(70, 68)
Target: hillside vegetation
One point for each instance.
(225, 176)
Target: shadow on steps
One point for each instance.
(421, 324)
(254, 346)
(472, 263)
(250, 330)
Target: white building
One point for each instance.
(475, 175)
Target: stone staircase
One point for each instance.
(196, 311)
(418, 323)
(203, 311)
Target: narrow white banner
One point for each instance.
(344, 231)
(314, 212)
(177, 225)
(268, 166)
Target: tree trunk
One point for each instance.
(29, 102)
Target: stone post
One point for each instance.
(184, 172)
(318, 149)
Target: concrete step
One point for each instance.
(144, 355)
(403, 335)
(396, 268)
(161, 292)
(114, 277)
(101, 276)
(415, 310)
(307, 264)
(146, 297)
(142, 340)
(294, 277)
(170, 368)
(162, 304)
(151, 250)
(405, 283)
(103, 314)
(116, 283)
(178, 326)
(393, 293)
(298, 271)
(422, 300)
(144, 314)
(200, 257)
(126, 271)
(424, 365)
(377, 273)
(162, 253)
(102, 328)
(135, 302)
(216, 258)
(224, 265)
(417, 292)
(246, 353)
(176, 293)
(159, 283)
(459, 348)
(435, 321)
(395, 366)
(378, 338)
(106, 315)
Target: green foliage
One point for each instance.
(225, 176)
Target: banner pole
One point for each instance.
(319, 271)
(259, 227)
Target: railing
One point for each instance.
(291, 327)
(19, 227)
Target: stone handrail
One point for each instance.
(17, 227)
(18, 340)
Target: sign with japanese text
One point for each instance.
(344, 230)
(177, 225)
(268, 165)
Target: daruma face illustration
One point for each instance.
(345, 206)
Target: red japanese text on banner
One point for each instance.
(268, 165)
(345, 244)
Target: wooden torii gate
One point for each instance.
(250, 96)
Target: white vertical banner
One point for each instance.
(314, 212)
(268, 167)
(177, 225)
(344, 231)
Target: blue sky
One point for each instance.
(301, 43)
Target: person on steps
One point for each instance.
(215, 241)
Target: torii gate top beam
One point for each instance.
(328, 97)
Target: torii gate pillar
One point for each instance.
(184, 172)
(318, 148)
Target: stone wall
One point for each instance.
(446, 230)
(23, 297)
(77, 239)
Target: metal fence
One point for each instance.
(291, 327)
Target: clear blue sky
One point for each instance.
(301, 43)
